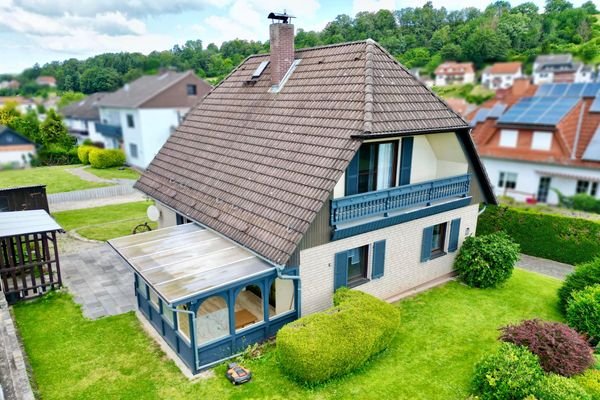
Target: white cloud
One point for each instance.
(373, 5)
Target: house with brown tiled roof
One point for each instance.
(453, 73)
(501, 75)
(46, 81)
(548, 139)
(81, 118)
(301, 172)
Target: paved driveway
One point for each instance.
(99, 280)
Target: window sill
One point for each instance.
(437, 254)
(357, 282)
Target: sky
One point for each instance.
(46, 30)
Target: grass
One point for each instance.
(57, 179)
(443, 333)
(106, 222)
(114, 173)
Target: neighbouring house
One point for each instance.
(548, 140)
(453, 73)
(141, 115)
(460, 105)
(23, 104)
(302, 172)
(46, 81)
(15, 149)
(81, 118)
(557, 68)
(501, 75)
(12, 84)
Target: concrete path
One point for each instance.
(88, 176)
(99, 280)
(544, 266)
(103, 201)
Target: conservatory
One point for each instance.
(206, 296)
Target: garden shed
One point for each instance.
(29, 262)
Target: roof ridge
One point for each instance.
(325, 46)
(368, 108)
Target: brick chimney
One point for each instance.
(282, 50)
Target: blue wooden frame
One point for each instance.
(199, 357)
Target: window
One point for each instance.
(281, 297)
(212, 319)
(508, 138)
(543, 189)
(507, 180)
(358, 262)
(180, 219)
(191, 90)
(183, 321)
(167, 313)
(133, 150)
(438, 240)
(153, 297)
(130, 123)
(376, 169)
(593, 191)
(248, 307)
(541, 141)
(582, 187)
(434, 239)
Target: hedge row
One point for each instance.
(556, 237)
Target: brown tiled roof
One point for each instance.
(86, 109)
(258, 166)
(454, 68)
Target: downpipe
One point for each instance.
(280, 275)
(483, 209)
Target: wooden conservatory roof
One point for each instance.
(184, 261)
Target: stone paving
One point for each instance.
(545, 267)
(99, 280)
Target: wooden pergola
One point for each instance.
(29, 264)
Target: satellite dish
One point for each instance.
(153, 213)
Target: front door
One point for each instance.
(543, 189)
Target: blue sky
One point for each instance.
(45, 30)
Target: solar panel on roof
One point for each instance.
(575, 90)
(480, 116)
(559, 89)
(539, 110)
(592, 151)
(260, 69)
(595, 107)
(589, 89)
(543, 90)
(497, 110)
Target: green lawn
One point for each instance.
(56, 179)
(106, 222)
(114, 173)
(443, 333)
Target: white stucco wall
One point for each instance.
(528, 178)
(403, 269)
(155, 126)
(15, 156)
(167, 216)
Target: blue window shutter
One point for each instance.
(378, 259)
(340, 273)
(352, 176)
(426, 245)
(406, 160)
(454, 232)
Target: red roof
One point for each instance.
(454, 68)
(505, 68)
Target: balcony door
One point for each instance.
(373, 168)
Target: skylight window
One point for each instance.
(260, 69)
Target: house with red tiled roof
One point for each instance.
(46, 81)
(453, 73)
(501, 75)
(302, 172)
(548, 140)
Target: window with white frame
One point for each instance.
(541, 141)
(507, 180)
(508, 138)
(133, 150)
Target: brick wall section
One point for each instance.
(282, 50)
(403, 268)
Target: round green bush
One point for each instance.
(487, 261)
(585, 274)
(101, 158)
(556, 387)
(590, 381)
(583, 312)
(513, 372)
(83, 153)
(339, 340)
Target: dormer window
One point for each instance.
(541, 141)
(508, 138)
(192, 90)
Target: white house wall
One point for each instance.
(15, 156)
(156, 126)
(403, 268)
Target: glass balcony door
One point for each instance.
(377, 165)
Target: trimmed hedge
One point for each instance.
(106, 158)
(83, 152)
(590, 381)
(339, 340)
(55, 154)
(513, 372)
(583, 312)
(561, 350)
(556, 387)
(585, 274)
(487, 261)
(556, 237)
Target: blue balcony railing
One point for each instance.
(113, 131)
(382, 202)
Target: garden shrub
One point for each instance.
(583, 312)
(55, 154)
(585, 274)
(590, 381)
(106, 158)
(586, 202)
(339, 340)
(566, 239)
(561, 350)
(83, 153)
(513, 372)
(486, 261)
(556, 387)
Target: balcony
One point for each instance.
(113, 131)
(371, 206)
